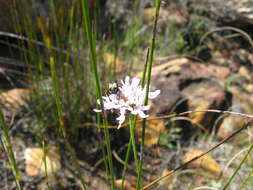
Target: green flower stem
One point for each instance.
(132, 123)
(93, 62)
(109, 153)
(143, 127)
(149, 70)
(7, 145)
(102, 145)
(239, 167)
(45, 163)
(126, 163)
(129, 143)
(152, 49)
(143, 78)
(246, 179)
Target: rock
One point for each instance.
(229, 125)
(238, 13)
(248, 88)
(205, 164)
(201, 85)
(13, 100)
(153, 131)
(203, 95)
(245, 72)
(170, 92)
(128, 185)
(242, 102)
(169, 96)
(34, 160)
(167, 15)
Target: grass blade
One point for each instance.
(239, 167)
(93, 62)
(61, 124)
(7, 145)
(149, 70)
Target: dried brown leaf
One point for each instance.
(205, 163)
(34, 161)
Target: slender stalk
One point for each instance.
(101, 142)
(132, 138)
(109, 154)
(152, 49)
(7, 146)
(126, 163)
(61, 123)
(129, 143)
(143, 78)
(56, 96)
(91, 47)
(239, 167)
(93, 63)
(246, 179)
(45, 163)
(149, 70)
(55, 22)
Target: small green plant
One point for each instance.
(169, 138)
(192, 35)
(172, 38)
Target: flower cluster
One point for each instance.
(129, 98)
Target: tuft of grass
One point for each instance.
(6, 144)
(57, 73)
(61, 124)
(57, 35)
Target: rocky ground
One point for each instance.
(217, 77)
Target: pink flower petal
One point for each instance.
(135, 82)
(96, 110)
(122, 117)
(154, 94)
(145, 108)
(142, 114)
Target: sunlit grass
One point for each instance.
(6, 145)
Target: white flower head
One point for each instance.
(129, 98)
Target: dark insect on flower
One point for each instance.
(113, 88)
(126, 97)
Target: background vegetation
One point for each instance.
(49, 56)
